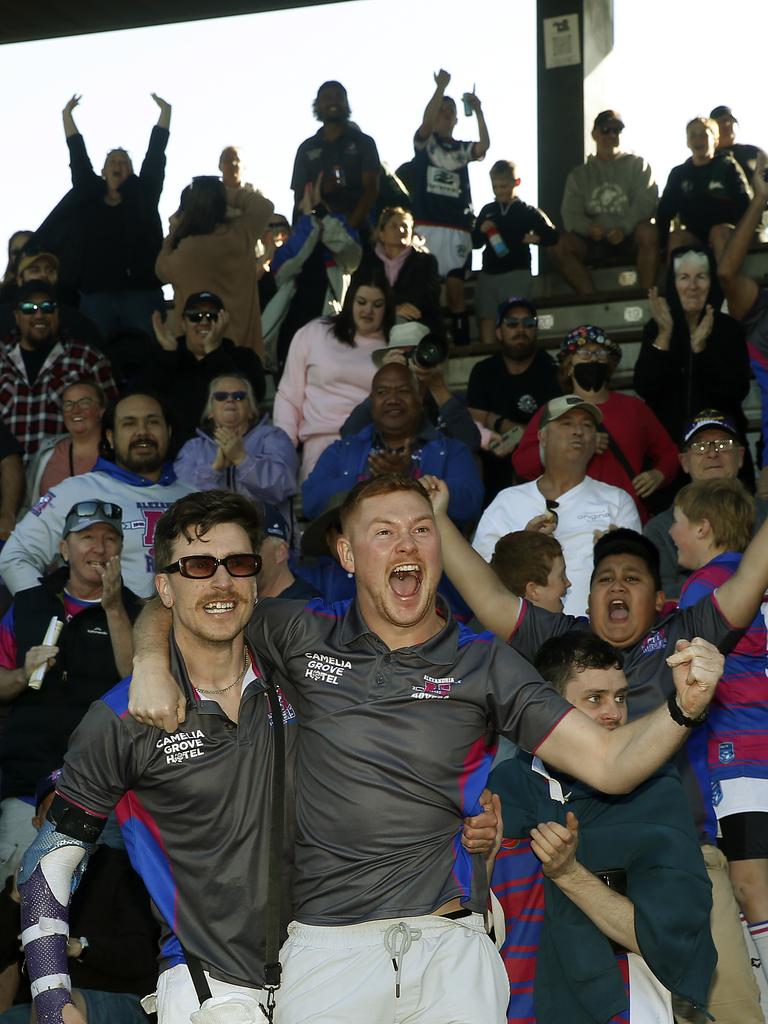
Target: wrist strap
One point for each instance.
(679, 716)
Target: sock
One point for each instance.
(758, 931)
(757, 969)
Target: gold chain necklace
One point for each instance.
(235, 681)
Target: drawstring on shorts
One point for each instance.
(398, 939)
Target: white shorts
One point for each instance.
(451, 247)
(450, 973)
(176, 999)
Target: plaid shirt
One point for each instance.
(33, 411)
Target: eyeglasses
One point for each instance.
(87, 509)
(224, 396)
(79, 403)
(523, 321)
(702, 447)
(195, 316)
(587, 355)
(28, 308)
(202, 567)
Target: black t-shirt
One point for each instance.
(34, 359)
(343, 162)
(441, 193)
(513, 396)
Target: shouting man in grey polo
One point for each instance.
(399, 707)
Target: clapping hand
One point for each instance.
(230, 444)
(163, 333)
(111, 584)
(703, 330)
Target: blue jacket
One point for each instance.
(346, 461)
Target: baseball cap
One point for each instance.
(313, 540)
(84, 514)
(407, 335)
(274, 523)
(35, 288)
(33, 257)
(560, 406)
(514, 300)
(709, 419)
(198, 298)
(586, 334)
(723, 111)
(606, 117)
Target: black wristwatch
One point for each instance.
(320, 211)
(679, 716)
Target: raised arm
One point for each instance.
(154, 697)
(481, 147)
(70, 128)
(427, 126)
(741, 595)
(740, 289)
(164, 120)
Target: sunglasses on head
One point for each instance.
(47, 306)
(86, 509)
(195, 316)
(203, 567)
(224, 396)
(523, 321)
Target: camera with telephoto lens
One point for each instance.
(429, 352)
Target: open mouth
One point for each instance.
(143, 445)
(219, 607)
(618, 611)
(405, 579)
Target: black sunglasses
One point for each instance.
(202, 567)
(86, 509)
(195, 316)
(237, 396)
(47, 306)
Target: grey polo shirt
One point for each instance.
(194, 809)
(395, 748)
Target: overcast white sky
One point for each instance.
(250, 80)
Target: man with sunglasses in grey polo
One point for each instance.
(93, 651)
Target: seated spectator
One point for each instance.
(693, 356)
(712, 449)
(411, 270)
(44, 266)
(744, 154)
(633, 449)
(206, 252)
(188, 363)
(137, 476)
(505, 230)
(442, 200)
(748, 301)
(607, 208)
(311, 273)
(319, 562)
(93, 652)
(329, 369)
(77, 450)
(713, 524)
(275, 576)
(106, 231)
(16, 244)
(563, 501)
(34, 372)
(412, 345)
(398, 440)
(236, 451)
(708, 193)
(606, 899)
(531, 565)
(113, 936)
(341, 157)
(11, 482)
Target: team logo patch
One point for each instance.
(182, 746)
(434, 689)
(323, 668)
(655, 641)
(288, 713)
(42, 504)
(717, 793)
(726, 753)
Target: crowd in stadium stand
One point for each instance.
(455, 843)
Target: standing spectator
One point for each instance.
(236, 451)
(16, 244)
(11, 481)
(744, 154)
(339, 155)
(329, 367)
(693, 356)
(106, 231)
(187, 364)
(77, 450)
(411, 270)
(505, 230)
(206, 252)
(442, 202)
(607, 208)
(708, 193)
(563, 501)
(633, 450)
(34, 372)
(140, 480)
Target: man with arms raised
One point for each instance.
(395, 701)
(194, 808)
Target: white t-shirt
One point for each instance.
(589, 506)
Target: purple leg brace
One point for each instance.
(46, 954)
